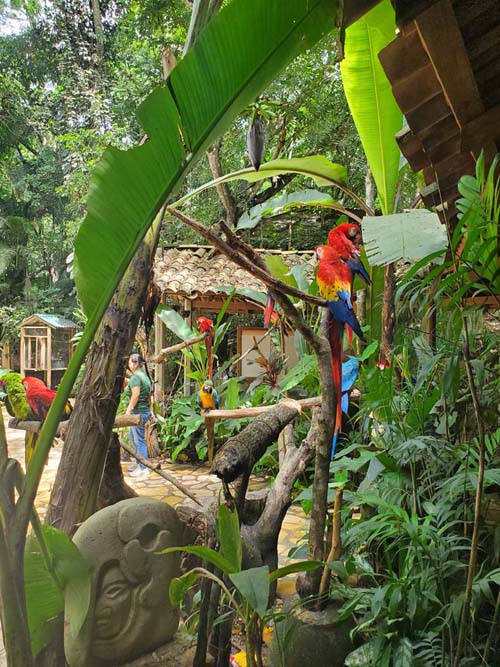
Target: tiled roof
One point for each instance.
(192, 271)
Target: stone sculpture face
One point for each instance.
(130, 612)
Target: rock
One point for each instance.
(177, 653)
(312, 638)
(129, 611)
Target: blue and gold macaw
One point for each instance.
(208, 399)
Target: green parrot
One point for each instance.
(13, 393)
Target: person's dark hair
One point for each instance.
(136, 359)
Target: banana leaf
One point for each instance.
(281, 204)
(374, 110)
(377, 118)
(232, 61)
(411, 235)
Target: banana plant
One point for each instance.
(231, 63)
(248, 591)
(376, 116)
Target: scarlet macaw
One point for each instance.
(346, 239)
(40, 398)
(334, 279)
(206, 326)
(14, 395)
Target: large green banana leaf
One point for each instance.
(232, 61)
(411, 235)
(377, 118)
(374, 110)
(317, 167)
(240, 51)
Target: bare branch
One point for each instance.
(163, 354)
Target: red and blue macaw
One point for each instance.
(335, 280)
(40, 398)
(206, 326)
(346, 239)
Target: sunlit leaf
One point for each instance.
(232, 61)
(412, 235)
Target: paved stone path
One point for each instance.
(196, 478)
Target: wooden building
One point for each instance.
(46, 346)
(197, 280)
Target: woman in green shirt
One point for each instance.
(139, 392)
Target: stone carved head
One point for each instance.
(130, 612)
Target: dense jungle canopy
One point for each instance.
(72, 75)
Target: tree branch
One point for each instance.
(163, 354)
(255, 267)
(223, 190)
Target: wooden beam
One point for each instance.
(406, 10)
(481, 130)
(427, 114)
(416, 89)
(355, 9)
(121, 421)
(403, 56)
(412, 149)
(441, 37)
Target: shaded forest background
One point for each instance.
(72, 75)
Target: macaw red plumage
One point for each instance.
(270, 315)
(40, 398)
(206, 326)
(346, 239)
(335, 279)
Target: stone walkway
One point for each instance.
(196, 478)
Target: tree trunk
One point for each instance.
(113, 487)
(98, 31)
(223, 190)
(388, 316)
(80, 470)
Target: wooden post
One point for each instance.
(159, 345)
(48, 358)
(188, 320)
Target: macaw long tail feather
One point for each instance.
(336, 344)
(268, 311)
(348, 331)
(208, 345)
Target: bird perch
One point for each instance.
(34, 427)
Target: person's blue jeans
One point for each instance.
(138, 436)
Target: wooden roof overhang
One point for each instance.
(444, 68)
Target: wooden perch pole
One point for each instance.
(33, 427)
(239, 454)
(163, 354)
(242, 413)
